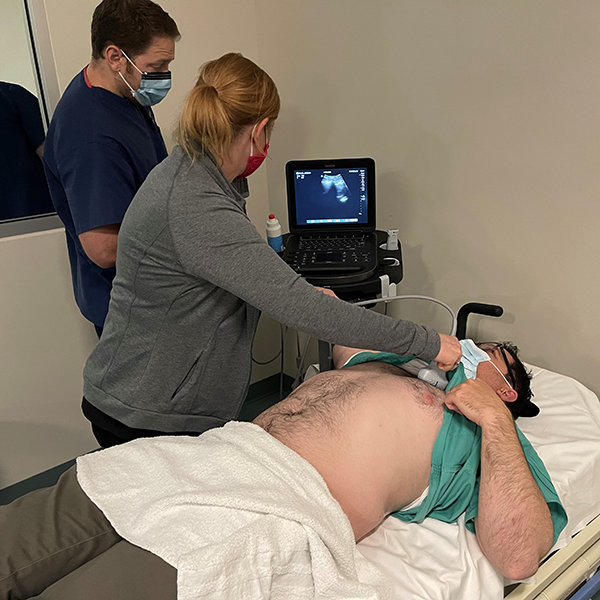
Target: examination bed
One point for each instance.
(435, 560)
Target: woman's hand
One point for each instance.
(326, 291)
(450, 353)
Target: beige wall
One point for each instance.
(43, 345)
(484, 121)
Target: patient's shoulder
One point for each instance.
(377, 368)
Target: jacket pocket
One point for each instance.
(185, 393)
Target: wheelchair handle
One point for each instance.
(489, 310)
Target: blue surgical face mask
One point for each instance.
(153, 87)
(472, 355)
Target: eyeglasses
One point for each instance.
(490, 347)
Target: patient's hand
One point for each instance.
(450, 353)
(477, 401)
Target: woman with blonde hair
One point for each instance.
(193, 275)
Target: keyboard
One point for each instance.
(350, 260)
(332, 243)
(334, 258)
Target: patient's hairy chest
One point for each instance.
(392, 388)
(394, 429)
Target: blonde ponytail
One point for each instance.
(231, 93)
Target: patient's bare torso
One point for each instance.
(369, 430)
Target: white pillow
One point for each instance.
(566, 435)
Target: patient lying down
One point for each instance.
(370, 431)
(365, 441)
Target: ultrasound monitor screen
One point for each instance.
(331, 196)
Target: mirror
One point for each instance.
(23, 119)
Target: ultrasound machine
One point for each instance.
(331, 211)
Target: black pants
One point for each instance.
(106, 438)
(110, 432)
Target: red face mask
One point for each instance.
(254, 161)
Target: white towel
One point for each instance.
(237, 513)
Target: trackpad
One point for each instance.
(328, 257)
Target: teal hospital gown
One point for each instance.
(454, 480)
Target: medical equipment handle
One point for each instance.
(489, 310)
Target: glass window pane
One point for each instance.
(23, 188)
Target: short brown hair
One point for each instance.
(231, 93)
(131, 25)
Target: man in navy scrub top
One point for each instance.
(103, 139)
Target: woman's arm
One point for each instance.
(446, 358)
(216, 241)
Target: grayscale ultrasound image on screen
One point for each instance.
(342, 191)
(331, 196)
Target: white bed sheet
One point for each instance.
(434, 560)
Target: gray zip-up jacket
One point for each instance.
(193, 274)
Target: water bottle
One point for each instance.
(274, 234)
